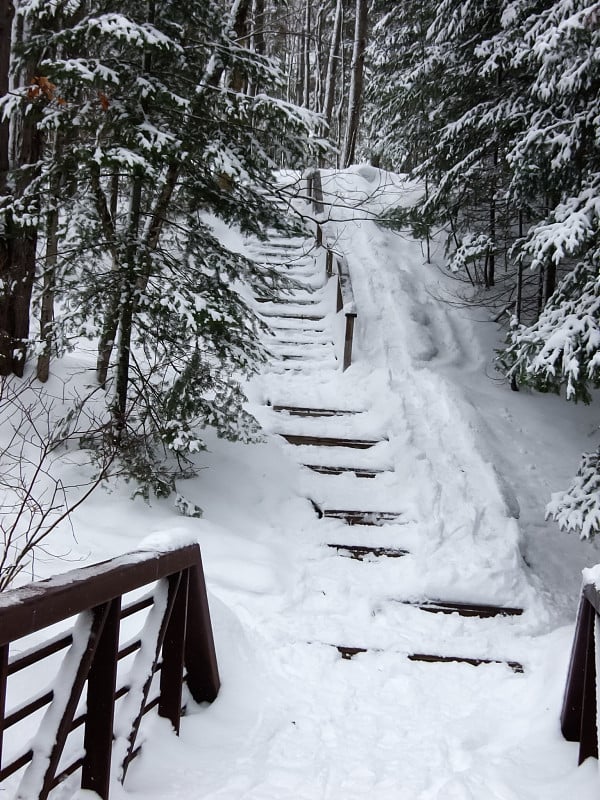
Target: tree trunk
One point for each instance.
(239, 79)
(47, 304)
(6, 17)
(306, 55)
(356, 82)
(332, 64)
(127, 305)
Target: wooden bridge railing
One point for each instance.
(579, 710)
(175, 639)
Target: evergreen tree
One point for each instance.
(558, 154)
(159, 138)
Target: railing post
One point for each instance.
(3, 678)
(317, 192)
(171, 674)
(174, 582)
(588, 739)
(319, 235)
(329, 263)
(102, 679)
(99, 616)
(200, 656)
(340, 299)
(349, 335)
(570, 717)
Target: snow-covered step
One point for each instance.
(348, 652)
(308, 365)
(309, 355)
(358, 472)
(480, 610)
(361, 551)
(281, 315)
(314, 338)
(329, 441)
(359, 517)
(300, 411)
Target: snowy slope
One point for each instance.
(461, 457)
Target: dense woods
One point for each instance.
(494, 106)
(126, 128)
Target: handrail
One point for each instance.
(344, 300)
(345, 294)
(579, 709)
(176, 636)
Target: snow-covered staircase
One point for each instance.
(349, 478)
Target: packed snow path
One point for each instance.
(320, 697)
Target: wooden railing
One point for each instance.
(345, 294)
(345, 303)
(175, 639)
(579, 711)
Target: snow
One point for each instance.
(468, 465)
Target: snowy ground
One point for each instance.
(467, 464)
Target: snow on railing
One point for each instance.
(98, 735)
(580, 704)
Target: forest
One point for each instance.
(127, 129)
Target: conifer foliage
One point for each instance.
(496, 104)
(144, 130)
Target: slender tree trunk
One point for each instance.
(239, 79)
(257, 37)
(6, 18)
(356, 82)
(540, 293)
(128, 296)
(549, 281)
(306, 55)
(49, 280)
(519, 301)
(23, 247)
(332, 63)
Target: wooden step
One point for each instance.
(358, 551)
(327, 441)
(348, 653)
(359, 472)
(300, 411)
(310, 317)
(355, 517)
(465, 609)
(279, 302)
(301, 342)
(475, 662)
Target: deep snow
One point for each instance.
(468, 465)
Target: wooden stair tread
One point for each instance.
(358, 551)
(359, 472)
(329, 441)
(375, 518)
(482, 610)
(348, 653)
(312, 317)
(278, 301)
(475, 662)
(301, 411)
(357, 517)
